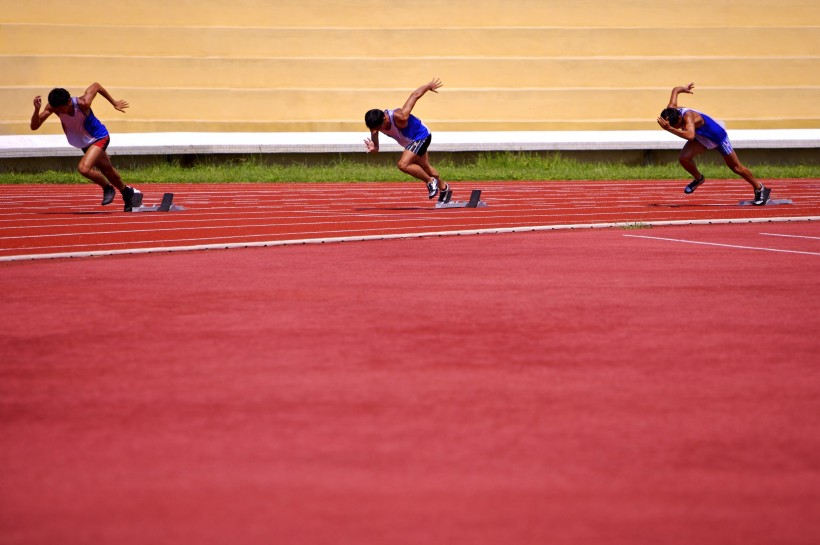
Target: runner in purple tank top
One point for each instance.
(703, 133)
(83, 130)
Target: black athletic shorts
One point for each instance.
(419, 147)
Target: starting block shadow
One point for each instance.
(474, 202)
(770, 202)
(167, 205)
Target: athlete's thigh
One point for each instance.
(103, 160)
(424, 162)
(731, 160)
(409, 158)
(692, 148)
(92, 157)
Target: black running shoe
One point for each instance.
(693, 185)
(432, 189)
(108, 194)
(131, 197)
(761, 196)
(445, 195)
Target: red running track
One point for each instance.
(619, 386)
(38, 220)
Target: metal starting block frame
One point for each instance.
(770, 202)
(167, 205)
(474, 202)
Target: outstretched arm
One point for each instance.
(402, 115)
(38, 117)
(673, 100)
(91, 93)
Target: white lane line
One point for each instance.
(723, 245)
(789, 236)
(501, 222)
(359, 238)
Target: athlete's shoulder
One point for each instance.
(83, 103)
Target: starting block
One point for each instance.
(167, 205)
(474, 202)
(770, 202)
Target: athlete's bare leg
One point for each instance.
(424, 162)
(108, 170)
(419, 167)
(687, 156)
(96, 166)
(86, 166)
(734, 163)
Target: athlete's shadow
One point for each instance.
(74, 213)
(394, 208)
(693, 205)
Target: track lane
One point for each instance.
(57, 219)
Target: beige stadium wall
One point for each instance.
(308, 65)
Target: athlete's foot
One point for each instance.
(131, 197)
(108, 194)
(445, 195)
(693, 185)
(761, 195)
(432, 189)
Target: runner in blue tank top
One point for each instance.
(83, 130)
(704, 133)
(412, 135)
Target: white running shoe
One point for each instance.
(432, 189)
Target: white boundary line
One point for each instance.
(735, 246)
(226, 246)
(789, 236)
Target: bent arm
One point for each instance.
(673, 100)
(688, 130)
(91, 93)
(372, 144)
(402, 115)
(38, 116)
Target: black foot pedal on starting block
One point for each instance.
(167, 205)
(474, 202)
(167, 201)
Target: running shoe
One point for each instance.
(131, 197)
(108, 194)
(693, 185)
(761, 195)
(445, 195)
(432, 189)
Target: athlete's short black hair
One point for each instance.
(374, 118)
(672, 115)
(58, 97)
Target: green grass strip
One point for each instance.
(492, 166)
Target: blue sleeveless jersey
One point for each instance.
(711, 129)
(711, 135)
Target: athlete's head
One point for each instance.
(672, 115)
(374, 119)
(58, 97)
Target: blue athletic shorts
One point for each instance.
(724, 146)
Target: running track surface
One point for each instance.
(58, 220)
(644, 385)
